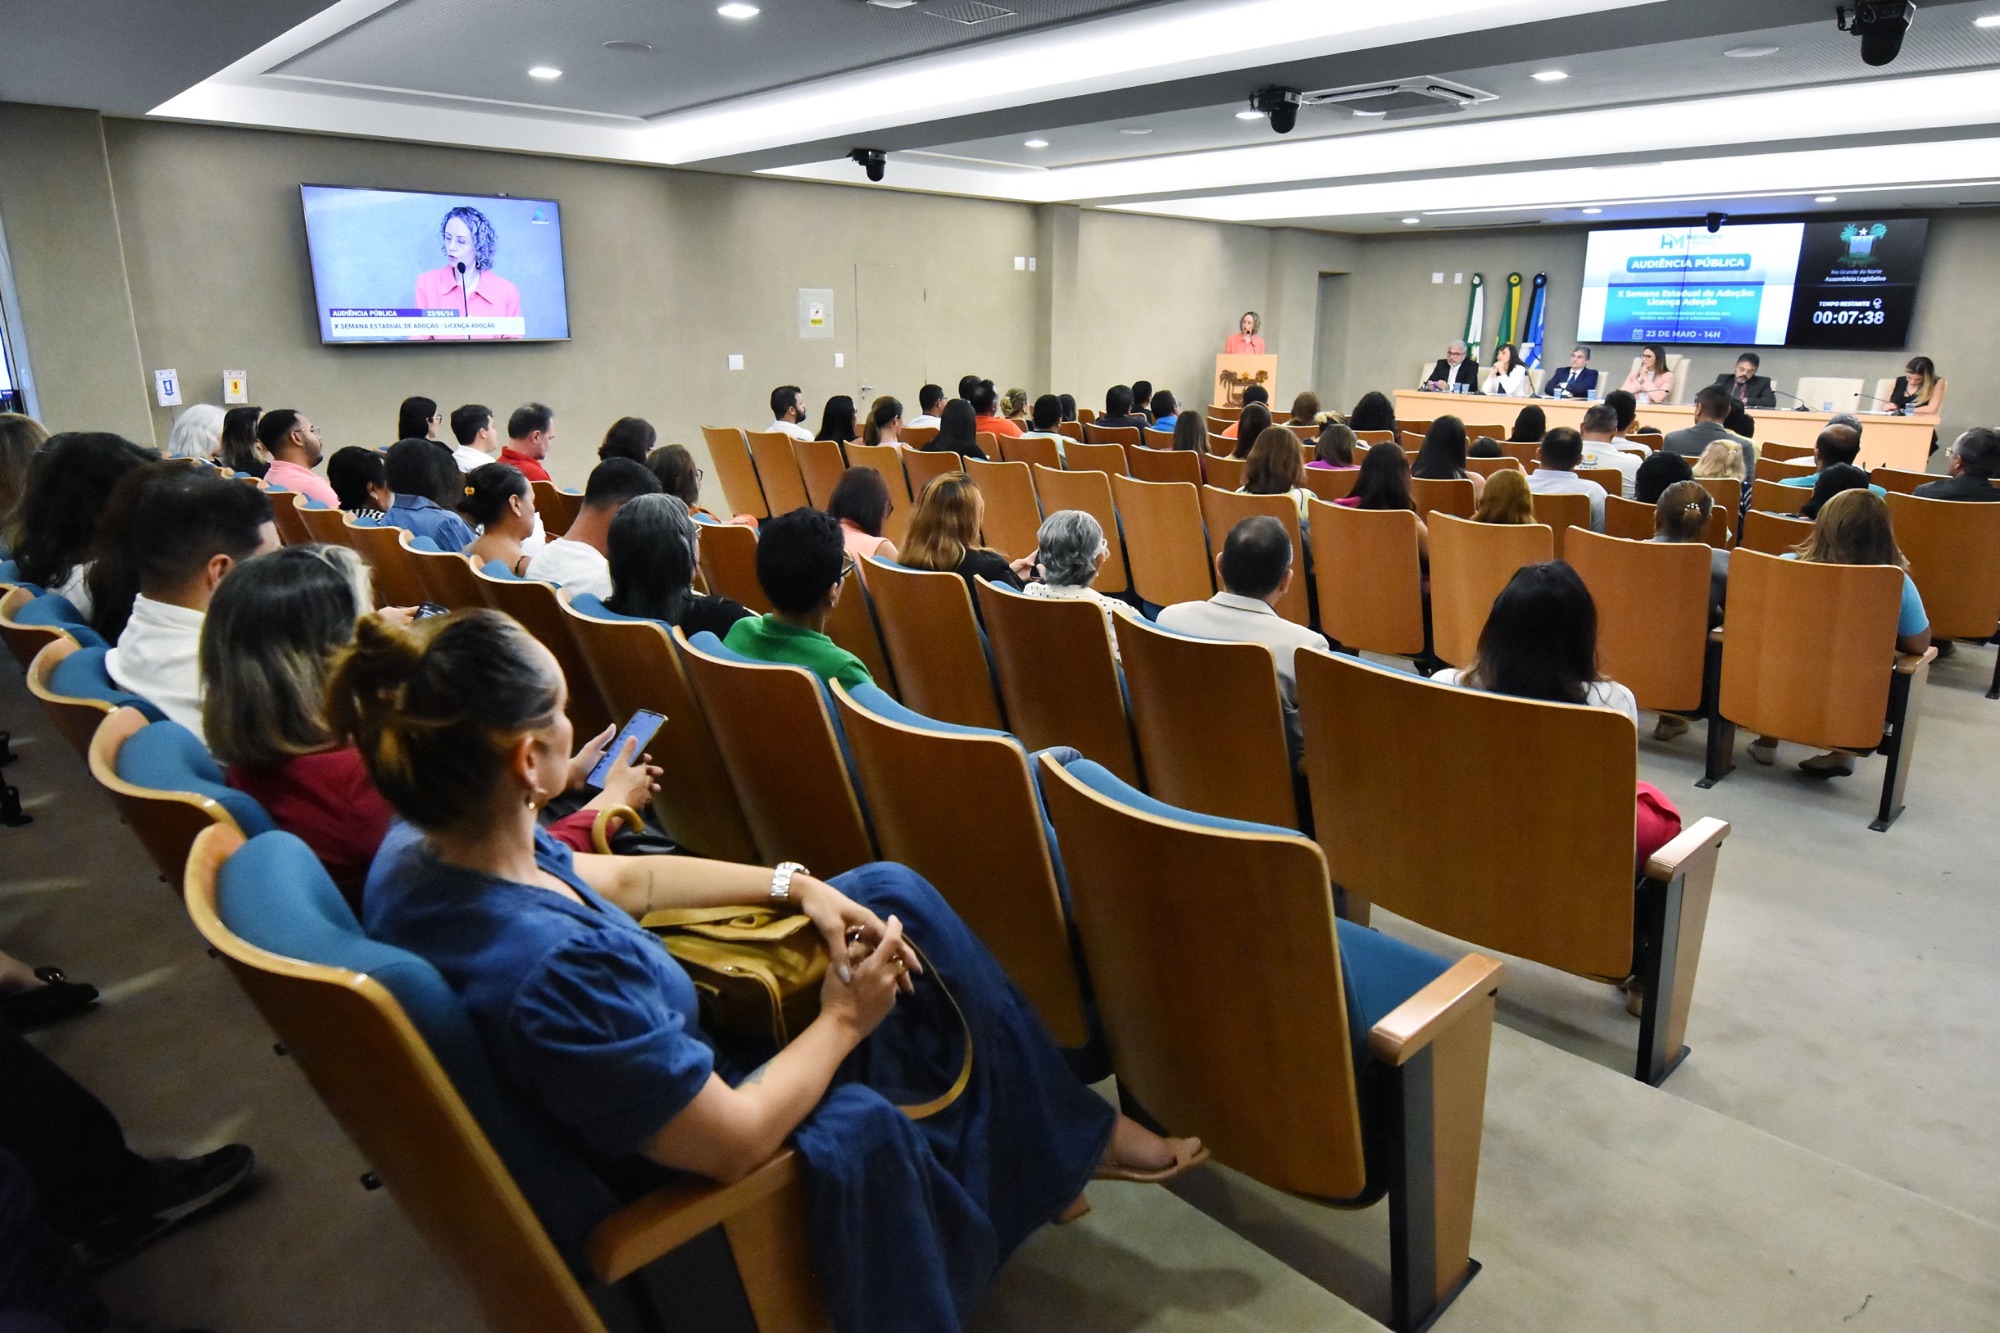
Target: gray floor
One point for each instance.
(1825, 1159)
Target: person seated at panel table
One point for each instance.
(1560, 452)
(788, 412)
(578, 560)
(1711, 405)
(1256, 396)
(1442, 456)
(1834, 444)
(1578, 379)
(426, 485)
(499, 502)
(1255, 568)
(1598, 432)
(802, 565)
(1745, 386)
(1069, 551)
(1916, 393)
(946, 535)
(1118, 409)
(1507, 377)
(1651, 381)
(1454, 371)
(1246, 341)
(1975, 461)
(653, 548)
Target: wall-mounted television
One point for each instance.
(397, 266)
(1848, 283)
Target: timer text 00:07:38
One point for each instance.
(1848, 317)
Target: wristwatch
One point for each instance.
(781, 880)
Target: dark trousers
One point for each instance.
(41, 1288)
(68, 1143)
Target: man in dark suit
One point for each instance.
(1575, 380)
(1454, 368)
(1975, 461)
(1746, 386)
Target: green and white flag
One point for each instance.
(1475, 316)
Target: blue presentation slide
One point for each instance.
(1690, 285)
(412, 266)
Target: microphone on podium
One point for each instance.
(464, 301)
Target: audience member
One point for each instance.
(986, 418)
(417, 419)
(958, 431)
(1559, 452)
(499, 501)
(295, 449)
(802, 565)
(478, 440)
(1191, 432)
(427, 485)
(633, 438)
(1975, 461)
(1118, 409)
(930, 401)
(967, 383)
(1442, 456)
(1142, 400)
(360, 477)
(1711, 405)
(654, 552)
(1255, 568)
(189, 528)
(577, 559)
(1373, 412)
(836, 420)
(197, 433)
(1600, 447)
(1627, 408)
(1014, 406)
(1305, 413)
(885, 422)
(1832, 480)
(1043, 420)
(1834, 444)
(54, 526)
(862, 503)
(1740, 422)
(1682, 516)
(1507, 499)
(1484, 446)
(788, 412)
(1068, 406)
(1530, 423)
(531, 432)
(1335, 447)
(679, 475)
(1069, 551)
(946, 534)
(1253, 421)
(1276, 466)
(1721, 461)
(1166, 410)
(1657, 471)
(1384, 483)
(1853, 528)
(21, 438)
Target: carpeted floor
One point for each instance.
(1825, 1159)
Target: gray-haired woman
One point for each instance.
(1070, 549)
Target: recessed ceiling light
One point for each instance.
(633, 48)
(1593, 210)
(1135, 129)
(1548, 76)
(1750, 52)
(1987, 21)
(735, 10)
(1411, 222)
(1249, 115)
(1036, 143)
(544, 72)
(1826, 198)
(1371, 115)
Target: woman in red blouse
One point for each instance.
(1246, 341)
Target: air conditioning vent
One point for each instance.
(1403, 99)
(970, 12)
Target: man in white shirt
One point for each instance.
(1255, 568)
(788, 412)
(930, 401)
(579, 559)
(1600, 446)
(1560, 452)
(478, 439)
(189, 528)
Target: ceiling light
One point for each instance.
(1826, 198)
(1411, 222)
(1035, 143)
(1987, 21)
(1249, 115)
(1750, 52)
(1369, 115)
(544, 72)
(632, 48)
(1593, 211)
(1548, 76)
(1134, 129)
(737, 10)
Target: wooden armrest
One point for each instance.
(1427, 1015)
(1907, 663)
(675, 1214)
(607, 822)
(1666, 863)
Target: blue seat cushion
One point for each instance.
(421, 543)
(166, 756)
(590, 604)
(498, 569)
(81, 675)
(54, 609)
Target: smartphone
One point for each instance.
(425, 610)
(645, 724)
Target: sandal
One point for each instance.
(1188, 1154)
(52, 1001)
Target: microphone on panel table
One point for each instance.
(1803, 406)
(1879, 402)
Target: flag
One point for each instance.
(1531, 332)
(1510, 312)
(1475, 315)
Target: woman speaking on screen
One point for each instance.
(467, 285)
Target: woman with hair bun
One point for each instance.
(501, 504)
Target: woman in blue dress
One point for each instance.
(461, 722)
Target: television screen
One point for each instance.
(1798, 284)
(411, 266)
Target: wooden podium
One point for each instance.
(1234, 374)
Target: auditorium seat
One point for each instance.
(1161, 465)
(1226, 473)
(1329, 1062)
(447, 578)
(1013, 518)
(557, 506)
(923, 468)
(392, 568)
(1210, 724)
(323, 525)
(1899, 482)
(1059, 683)
(1484, 430)
(1772, 498)
(1559, 513)
(1610, 478)
(1071, 430)
(1773, 534)
(504, 1201)
(29, 620)
(167, 787)
(1470, 564)
(729, 455)
(1486, 467)
(1629, 518)
(779, 741)
(1034, 450)
(727, 556)
(540, 609)
(1164, 540)
(934, 643)
(1105, 458)
(988, 442)
(1954, 554)
(285, 507)
(777, 470)
(1527, 454)
(1125, 435)
(1778, 469)
(1089, 491)
(981, 839)
(916, 437)
(1652, 615)
(1370, 585)
(852, 625)
(636, 667)
(1222, 510)
(1809, 655)
(1507, 823)
(1772, 449)
(887, 459)
(1331, 483)
(1453, 496)
(78, 692)
(1156, 439)
(1370, 438)
(820, 464)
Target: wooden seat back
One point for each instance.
(541, 611)
(1225, 413)
(820, 464)
(285, 506)
(636, 667)
(988, 442)
(1535, 856)
(1269, 1091)
(1778, 469)
(1558, 513)
(1809, 649)
(76, 718)
(447, 578)
(887, 459)
(1524, 452)
(1222, 510)
(1034, 450)
(851, 624)
(1156, 439)
(1226, 473)
(1898, 482)
(1412, 440)
(778, 470)
(326, 526)
(934, 644)
(1486, 467)
(1610, 478)
(729, 455)
(1374, 437)
(1221, 446)
(1370, 579)
(1728, 494)
(1058, 678)
(1105, 458)
(1485, 430)
(1772, 498)
(1210, 724)
(25, 640)
(1125, 435)
(1164, 540)
(1652, 615)
(1470, 564)
(166, 821)
(1452, 496)
(1070, 430)
(1954, 552)
(1773, 451)
(557, 506)
(1332, 483)
(916, 437)
(1091, 493)
(392, 565)
(776, 738)
(980, 842)
(1773, 534)
(1160, 465)
(1013, 517)
(924, 468)
(727, 556)
(1629, 519)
